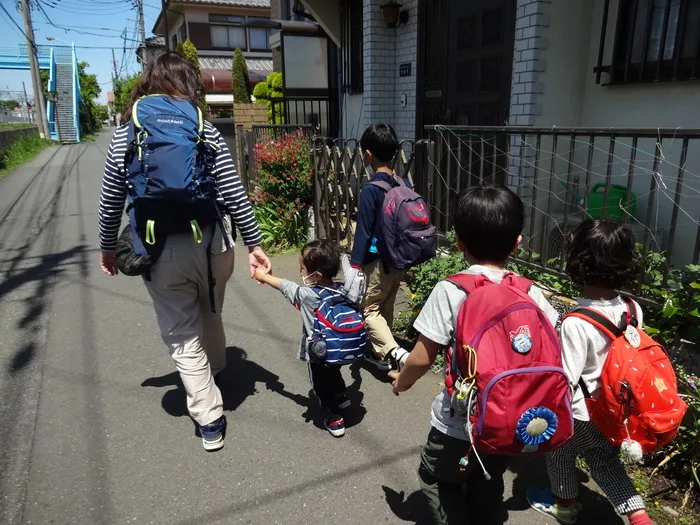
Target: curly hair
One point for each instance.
(602, 253)
(322, 256)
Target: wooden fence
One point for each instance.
(338, 177)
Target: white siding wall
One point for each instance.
(568, 96)
(384, 49)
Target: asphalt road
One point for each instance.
(93, 422)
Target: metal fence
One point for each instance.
(646, 178)
(318, 112)
(338, 176)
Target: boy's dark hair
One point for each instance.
(488, 221)
(381, 140)
(601, 253)
(321, 256)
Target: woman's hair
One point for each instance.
(601, 253)
(167, 74)
(321, 256)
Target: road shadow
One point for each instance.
(413, 508)
(531, 472)
(237, 383)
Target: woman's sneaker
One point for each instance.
(543, 502)
(335, 425)
(213, 434)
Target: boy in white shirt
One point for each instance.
(488, 222)
(601, 257)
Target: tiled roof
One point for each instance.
(223, 63)
(236, 3)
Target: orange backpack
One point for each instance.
(639, 393)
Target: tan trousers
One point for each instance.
(378, 305)
(194, 335)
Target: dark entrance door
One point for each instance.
(481, 62)
(465, 62)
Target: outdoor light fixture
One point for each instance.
(394, 16)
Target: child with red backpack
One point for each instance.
(625, 394)
(506, 392)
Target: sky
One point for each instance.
(105, 19)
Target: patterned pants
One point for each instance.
(603, 460)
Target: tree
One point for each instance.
(101, 112)
(240, 82)
(9, 104)
(189, 52)
(89, 90)
(122, 92)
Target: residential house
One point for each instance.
(217, 28)
(151, 48)
(546, 64)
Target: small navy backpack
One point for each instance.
(170, 177)
(339, 336)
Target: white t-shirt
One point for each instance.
(585, 348)
(438, 320)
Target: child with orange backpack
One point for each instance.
(625, 393)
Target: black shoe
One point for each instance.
(382, 364)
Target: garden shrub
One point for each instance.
(284, 191)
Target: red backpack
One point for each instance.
(638, 390)
(508, 357)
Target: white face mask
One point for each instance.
(304, 280)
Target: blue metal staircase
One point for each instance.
(61, 62)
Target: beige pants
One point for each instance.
(194, 335)
(378, 305)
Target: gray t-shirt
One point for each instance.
(306, 300)
(438, 320)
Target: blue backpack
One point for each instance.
(170, 177)
(339, 336)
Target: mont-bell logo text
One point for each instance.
(169, 121)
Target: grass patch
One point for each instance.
(88, 138)
(15, 125)
(21, 151)
(656, 499)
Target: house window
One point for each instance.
(259, 37)
(351, 45)
(227, 32)
(656, 40)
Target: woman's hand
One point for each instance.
(258, 259)
(108, 262)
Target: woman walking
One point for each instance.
(188, 279)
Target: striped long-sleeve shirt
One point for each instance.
(231, 196)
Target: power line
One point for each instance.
(13, 21)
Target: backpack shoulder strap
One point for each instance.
(381, 184)
(518, 282)
(465, 281)
(598, 320)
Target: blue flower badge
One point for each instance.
(536, 426)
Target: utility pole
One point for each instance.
(164, 6)
(39, 103)
(115, 75)
(26, 103)
(142, 27)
